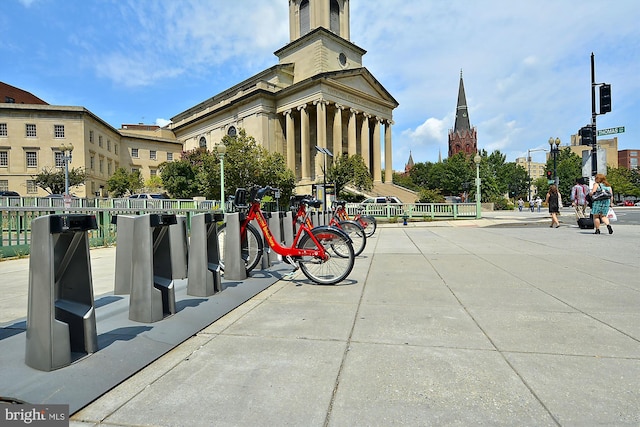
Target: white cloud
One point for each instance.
(162, 122)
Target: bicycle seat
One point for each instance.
(314, 203)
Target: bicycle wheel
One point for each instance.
(369, 223)
(357, 235)
(334, 268)
(251, 248)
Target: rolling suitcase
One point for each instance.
(586, 223)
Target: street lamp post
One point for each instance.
(221, 149)
(554, 144)
(477, 160)
(326, 153)
(529, 165)
(66, 158)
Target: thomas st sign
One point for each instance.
(611, 131)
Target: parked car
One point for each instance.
(149, 196)
(9, 194)
(628, 203)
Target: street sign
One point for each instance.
(611, 131)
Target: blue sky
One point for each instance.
(526, 64)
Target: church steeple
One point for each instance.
(463, 137)
(462, 113)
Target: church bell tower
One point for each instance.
(307, 15)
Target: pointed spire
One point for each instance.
(462, 114)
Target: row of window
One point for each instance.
(30, 184)
(153, 154)
(101, 143)
(31, 130)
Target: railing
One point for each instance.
(424, 211)
(17, 213)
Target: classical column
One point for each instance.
(388, 165)
(304, 143)
(321, 132)
(337, 132)
(291, 141)
(377, 164)
(351, 137)
(364, 140)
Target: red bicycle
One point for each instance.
(324, 254)
(353, 229)
(367, 222)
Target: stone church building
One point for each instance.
(318, 95)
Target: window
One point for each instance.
(115, 148)
(32, 188)
(9, 100)
(59, 160)
(109, 167)
(58, 131)
(203, 142)
(305, 20)
(169, 157)
(32, 159)
(4, 159)
(135, 170)
(91, 136)
(108, 145)
(4, 185)
(100, 141)
(153, 155)
(92, 162)
(334, 17)
(31, 131)
(232, 131)
(101, 165)
(153, 172)
(134, 153)
(3, 129)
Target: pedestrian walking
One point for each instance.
(553, 201)
(538, 203)
(579, 198)
(601, 196)
(531, 204)
(520, 204)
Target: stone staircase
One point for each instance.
(388, 189)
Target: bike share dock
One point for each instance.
(73, 349)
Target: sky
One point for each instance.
(526, 64)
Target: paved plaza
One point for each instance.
(497, 321)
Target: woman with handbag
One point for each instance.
(601, 196)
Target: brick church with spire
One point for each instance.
(463, 137)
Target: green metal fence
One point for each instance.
(17, 213)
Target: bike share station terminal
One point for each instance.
(73, 348)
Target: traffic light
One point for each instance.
(586, 135)
(549, 176)
(605, 98)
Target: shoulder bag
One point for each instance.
(601, 194)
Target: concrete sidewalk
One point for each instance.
(498, 321)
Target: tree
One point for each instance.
(347, 170)
(122, 182)
(52, 179)
(179, 179)
(621, 180)
(246, 164)
(568, 168)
